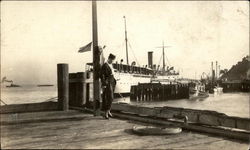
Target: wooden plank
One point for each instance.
(29, 107)
(31, 117)
(96, 132)
(205, 117)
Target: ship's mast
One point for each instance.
(126, 40)
(163, 55)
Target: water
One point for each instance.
(27, 94)
(232, 104)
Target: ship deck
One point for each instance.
(80, 130)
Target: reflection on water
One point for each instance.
(233, 104)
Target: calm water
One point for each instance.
(27, 94)
(233, 104)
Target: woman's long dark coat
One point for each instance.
(108, 84)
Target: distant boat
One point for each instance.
(13, 85)
(5, 80)
(198, 92)
(199, 95)
(41, 85)
(218, 89)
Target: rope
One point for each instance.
(3, 102)
(121, 45)
(168, 60)
(133, 54)
(159, 61)
(50, 99)
(158, 65)
(121, 96)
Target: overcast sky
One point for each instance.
(36, 35)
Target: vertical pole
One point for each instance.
(63, 86)
(212, 68)
(212, 73)
(85, 89)
(96, 61)
(216, 71)
(163, 60)
(126, 39)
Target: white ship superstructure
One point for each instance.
(128, 75)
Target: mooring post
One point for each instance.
(80, 88)
(63, 86)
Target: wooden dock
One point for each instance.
(81, 130)
(158, 92)
(56, 125)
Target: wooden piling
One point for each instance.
(132, 93)
(77, 89)
(63, 86)
(72, 89)
(158, 91)
(80, 88)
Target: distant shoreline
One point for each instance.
(41, 85)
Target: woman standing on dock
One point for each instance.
(108, 85)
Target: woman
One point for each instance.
(108, 85)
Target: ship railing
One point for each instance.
(132, 69)
(126, 69)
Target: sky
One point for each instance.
(37, 35)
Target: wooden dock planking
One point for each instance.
(96, 132)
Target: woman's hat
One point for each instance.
(111, 56)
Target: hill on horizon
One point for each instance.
(240, 71)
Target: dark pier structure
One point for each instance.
(236, 86)
(158, 92)
(237, 79)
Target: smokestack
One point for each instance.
(216, 71)
(213, 74)
(219, 71)
(150, 59)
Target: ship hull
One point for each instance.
(126, 80)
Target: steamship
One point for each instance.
(128, 75)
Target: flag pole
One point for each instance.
(96, 62)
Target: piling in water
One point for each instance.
(158, 92)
